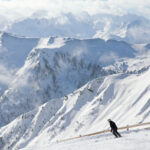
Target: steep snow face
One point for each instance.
(14, 50)
(121, 97)
(56, 70)
(13, 53)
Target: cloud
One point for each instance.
(79, 52)
(6, 75)
(18, 9)
(108, 57)
(143, 33)
(67, 17)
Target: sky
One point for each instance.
(18, 9)
(14, 11)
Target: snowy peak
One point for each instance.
(15, 49)
(53, 72)
(13, 53)
(96, 48)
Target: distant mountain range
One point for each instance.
(130, 28)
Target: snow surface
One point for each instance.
(14, 50)
(69, 87)
(131, 140)
(13, 53)
(62, 66)
(122, 97)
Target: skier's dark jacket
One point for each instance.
(113, 126)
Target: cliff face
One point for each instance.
(56, 67)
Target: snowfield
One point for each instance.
(131, 140)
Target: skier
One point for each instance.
(114, 128)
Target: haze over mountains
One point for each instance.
(53, 67)
(130, 27)
(63, 74)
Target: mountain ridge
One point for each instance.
(83, 111)
(53, 72)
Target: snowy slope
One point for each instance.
(130, 141)
(14, 50)
(121, 97)
(56, 67)
(13, 53)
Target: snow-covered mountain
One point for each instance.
(53, 95)
(66, 67)
(14, 50)
(56, 67)
(13, 53)
(122, 97)
(129, 27)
